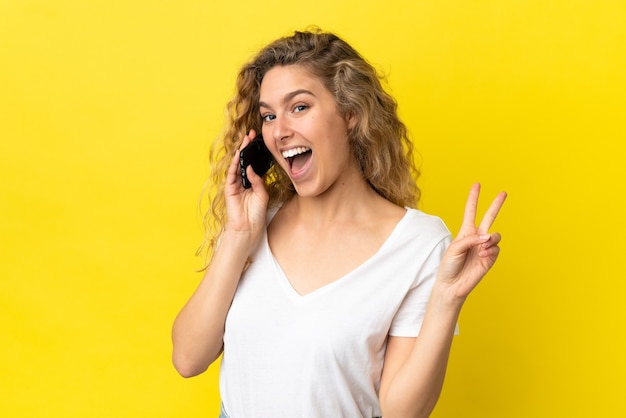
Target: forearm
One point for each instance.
(198, 330)
(414, 389)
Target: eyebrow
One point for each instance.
(289, 96)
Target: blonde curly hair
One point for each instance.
(379, 140)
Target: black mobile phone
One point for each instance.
(257, 155)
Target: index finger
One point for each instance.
(247, 139)
(492, 213)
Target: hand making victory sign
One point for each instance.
(474, 250)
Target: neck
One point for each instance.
(346, 201)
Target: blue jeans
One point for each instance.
(223, 413)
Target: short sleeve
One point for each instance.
(408, 319)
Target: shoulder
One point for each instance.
(420, 223)
(417, 236)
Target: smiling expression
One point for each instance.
(304, 130)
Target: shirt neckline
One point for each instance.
(295, 295)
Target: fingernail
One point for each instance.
(484, 236)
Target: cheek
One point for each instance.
(269, 143)
(267, 137)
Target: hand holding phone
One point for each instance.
(257, 155)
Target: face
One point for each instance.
(305, 132)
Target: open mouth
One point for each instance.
(297, 157)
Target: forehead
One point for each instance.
(281, 80)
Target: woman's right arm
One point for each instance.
(198, 330)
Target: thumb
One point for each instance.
(463, 244)
(254, 178)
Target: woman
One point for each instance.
(326, 292)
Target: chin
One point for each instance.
(307, 190)
(311, 190)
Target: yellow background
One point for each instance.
(106, 111)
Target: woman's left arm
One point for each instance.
(415, 368)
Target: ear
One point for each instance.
(351, 120)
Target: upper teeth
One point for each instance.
(295, 151)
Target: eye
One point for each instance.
(268, 118)
(300, 108)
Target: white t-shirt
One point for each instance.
(321, 354)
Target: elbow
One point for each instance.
(187, 370)
(186, 367)
(189, 360)
(188, 373)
